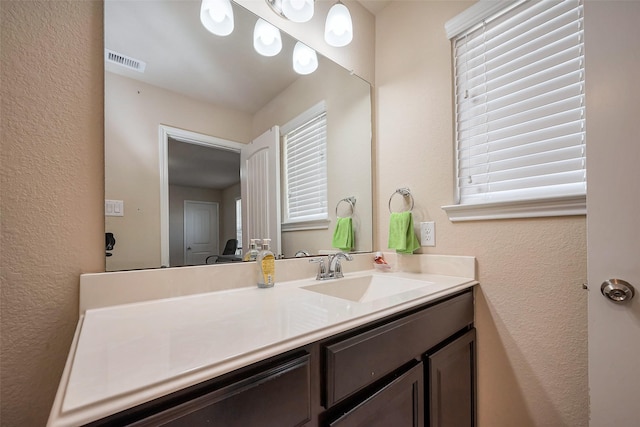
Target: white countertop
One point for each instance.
(126, 355)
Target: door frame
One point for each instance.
(190, 137)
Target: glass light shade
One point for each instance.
(217, 16)
(338, 29)
(266, 38)
(298, 10)
(305, 60)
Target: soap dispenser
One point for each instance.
(252, 254)
(266, 263)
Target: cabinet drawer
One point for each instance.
(277, 397)
(355, 362)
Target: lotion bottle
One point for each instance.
(266, 262)
(252, 255)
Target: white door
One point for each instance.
(612, 43)
(260, 189)
(200, 231)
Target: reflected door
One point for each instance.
(260, 177)
(200, 231)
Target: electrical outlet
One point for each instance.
(428, 233)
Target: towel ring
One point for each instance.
(404, 192)
(351, 200)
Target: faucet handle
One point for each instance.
(321, 267)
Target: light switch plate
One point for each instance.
(114, 208)
(428, 233)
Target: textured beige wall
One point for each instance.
(52, 191)
(531, 310)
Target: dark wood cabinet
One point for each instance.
(278, 396)
(414, 369)
(452, 383)
(353, 363)
(398, 404)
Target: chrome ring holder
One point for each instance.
(351, 201)
(404, 192)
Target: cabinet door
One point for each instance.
(452, 383)
(277, 397)
(356, 362)
(399, 404)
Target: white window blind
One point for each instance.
(305, 159)
(519, 90)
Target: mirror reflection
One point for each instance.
(193, 110)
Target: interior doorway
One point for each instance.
(198, 168)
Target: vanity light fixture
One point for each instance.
(266, 38)
(305, 60)
(338, 29)
(293, 10)
(217, 16)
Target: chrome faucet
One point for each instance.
(333, 270)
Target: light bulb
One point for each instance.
(298, 10)
(338, 29)
(297, 4)
(305, 59)
(339, 26)
(266, 38)
(217, 16)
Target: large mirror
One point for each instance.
(181, 107)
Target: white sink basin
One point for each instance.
(366, 288)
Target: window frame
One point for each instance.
(562, 205)
(289, 224)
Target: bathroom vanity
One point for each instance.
(397, 349)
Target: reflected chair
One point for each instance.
(230, 247)
(229, 252)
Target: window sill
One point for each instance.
(560, 206)
(318, 224)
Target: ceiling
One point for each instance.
(182, 56)
(192, 165)
(374, 6)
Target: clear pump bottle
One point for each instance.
(252, 254)
(266, 263)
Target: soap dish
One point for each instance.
(382, 267)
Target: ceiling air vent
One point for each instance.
(124, 61)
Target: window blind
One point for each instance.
(305, 153)
(519, 88)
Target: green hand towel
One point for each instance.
(343, 235)
(402, 238)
